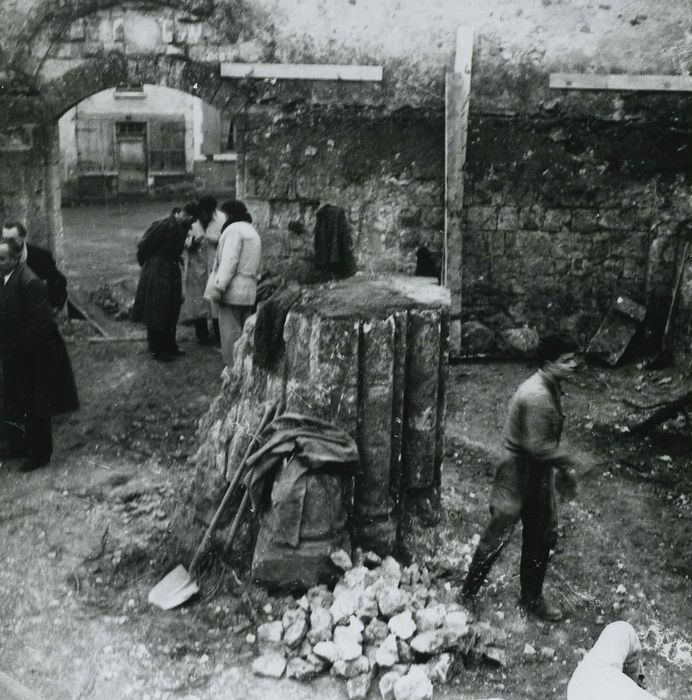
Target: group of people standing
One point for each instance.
(199, 266)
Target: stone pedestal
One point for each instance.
(368, 354)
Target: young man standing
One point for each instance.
(524, 486)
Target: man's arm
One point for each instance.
(542, 428)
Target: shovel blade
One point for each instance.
(173, 589)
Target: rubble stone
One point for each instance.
(438, 669)
(547, 652)
(495, 655)
(351, 668)
(391, 601)
(376, 631)
(355, 577)
(405, 653)
(458, 621)
(436, 640)
(344, 606)
(320, 626)
(357, 688)
(430, 618)
(320, 597)
(367, 605)
(529, 650)
(386, 684)
(305, 649)
(387, 653)
(326, 651)
(295, 627)
(348, 643)
(371, 560)
(402, 625)
(271, 665)
(341, 559)
(270, 631)
(391, 569)
(302, 669)
(415, 685)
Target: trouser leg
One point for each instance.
(169, 342)
(157, 340)
(231, 321)
(493, 540)
(539, 536)
(201, 329)
(215, 326)
(39, 436)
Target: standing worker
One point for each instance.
(159, 292)
(232, 285)
(200, 252)
(37, 374)
(524, 486)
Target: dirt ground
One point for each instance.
(84, 540)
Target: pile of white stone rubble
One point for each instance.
(381, 622)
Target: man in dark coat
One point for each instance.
(37, 374)
(160, 292)
(40, 262)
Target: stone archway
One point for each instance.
(67, 53)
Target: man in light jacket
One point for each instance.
(232, 285)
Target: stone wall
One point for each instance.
(564, 215)
(385, 169)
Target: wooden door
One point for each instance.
(132, 158)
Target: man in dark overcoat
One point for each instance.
(37, 374)
(159, 292)
(40, 262)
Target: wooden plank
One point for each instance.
(457, 99)
(578, 81)
(621, 82)
(301, 71)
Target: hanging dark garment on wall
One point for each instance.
(333, 244)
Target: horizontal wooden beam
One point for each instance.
(302, 71)
(621, 82)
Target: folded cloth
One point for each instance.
(293, 446)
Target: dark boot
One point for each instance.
(542, 609)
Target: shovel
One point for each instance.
(179, 585)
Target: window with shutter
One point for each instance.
(167, 145)
(95, 146)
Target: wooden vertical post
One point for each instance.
(457, 94)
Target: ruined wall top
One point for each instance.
(517, 43)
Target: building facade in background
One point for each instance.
(144, 140)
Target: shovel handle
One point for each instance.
(229, 490)
(236, 522)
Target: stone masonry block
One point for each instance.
(557, 219)
(508, 218)
(585, 220)
(617, 219)
(531, 218)
(482, 218)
